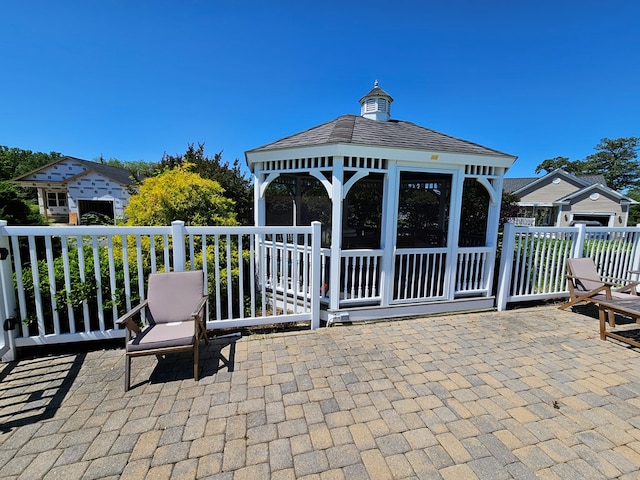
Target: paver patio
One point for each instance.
(528, 393)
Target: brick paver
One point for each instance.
(523, 394)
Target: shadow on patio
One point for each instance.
(33, 392)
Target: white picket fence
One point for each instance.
(256, 276)
(533, 259)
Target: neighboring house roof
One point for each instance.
(596, 187)
(354, 129)
(514, 185)
(116, 174)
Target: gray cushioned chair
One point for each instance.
(173, 319)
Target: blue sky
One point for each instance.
(131, 79)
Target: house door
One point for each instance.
(420, 262)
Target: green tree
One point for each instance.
(229, 176)
(615, 159)
(15, 161)
(508, 207)
(15, 209)
(550, 164)
(179, 194)
(634, 210)
(139, 169)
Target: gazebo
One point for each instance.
(409, 215)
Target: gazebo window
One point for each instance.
(475, 212)
(363, 214)
(299, 200)
(423, 209)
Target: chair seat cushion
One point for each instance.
(163, 335)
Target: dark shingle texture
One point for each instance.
(358, 130)
(515, 184)
(114, 173)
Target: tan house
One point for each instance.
(71, 187)
(561, 199)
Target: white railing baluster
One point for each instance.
(216, 243)
(83, 281)
(229, 277)
(167, 256)
(274, 274)
(252, 272)
(240, 277)
(67, 282)
(52, 284)
(264, 273)
(98, 276)
(112, 282)
(152, 252)
(35, 276)
(140, 269)
(127, 273)
(285, 275)
(17, 268)
(367, 274)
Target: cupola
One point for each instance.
(376, 104)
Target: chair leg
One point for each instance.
(196, 360)
(127, 372)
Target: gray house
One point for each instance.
(560, 199)
(70, 187)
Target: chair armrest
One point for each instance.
(197, 313)
(199, 322)
(606, 286)
(126, 320)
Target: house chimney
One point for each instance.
(376, 104)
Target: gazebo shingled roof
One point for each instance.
(358, 130)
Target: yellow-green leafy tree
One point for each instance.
(179, 194)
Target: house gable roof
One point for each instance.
(520, 185)
(596, 188)
(119, 175)
(357, 130)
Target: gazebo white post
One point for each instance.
(336, 232)
(453, 233)
(258, 201)
(389, 228)
(493, 225)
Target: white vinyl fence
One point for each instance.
(67, 284)
(533, 259)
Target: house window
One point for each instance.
(56, 199)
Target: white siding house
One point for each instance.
(71, 187)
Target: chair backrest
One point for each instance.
(173, 296)
(587, 276)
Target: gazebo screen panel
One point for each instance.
(475, 214)
(423, 209)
